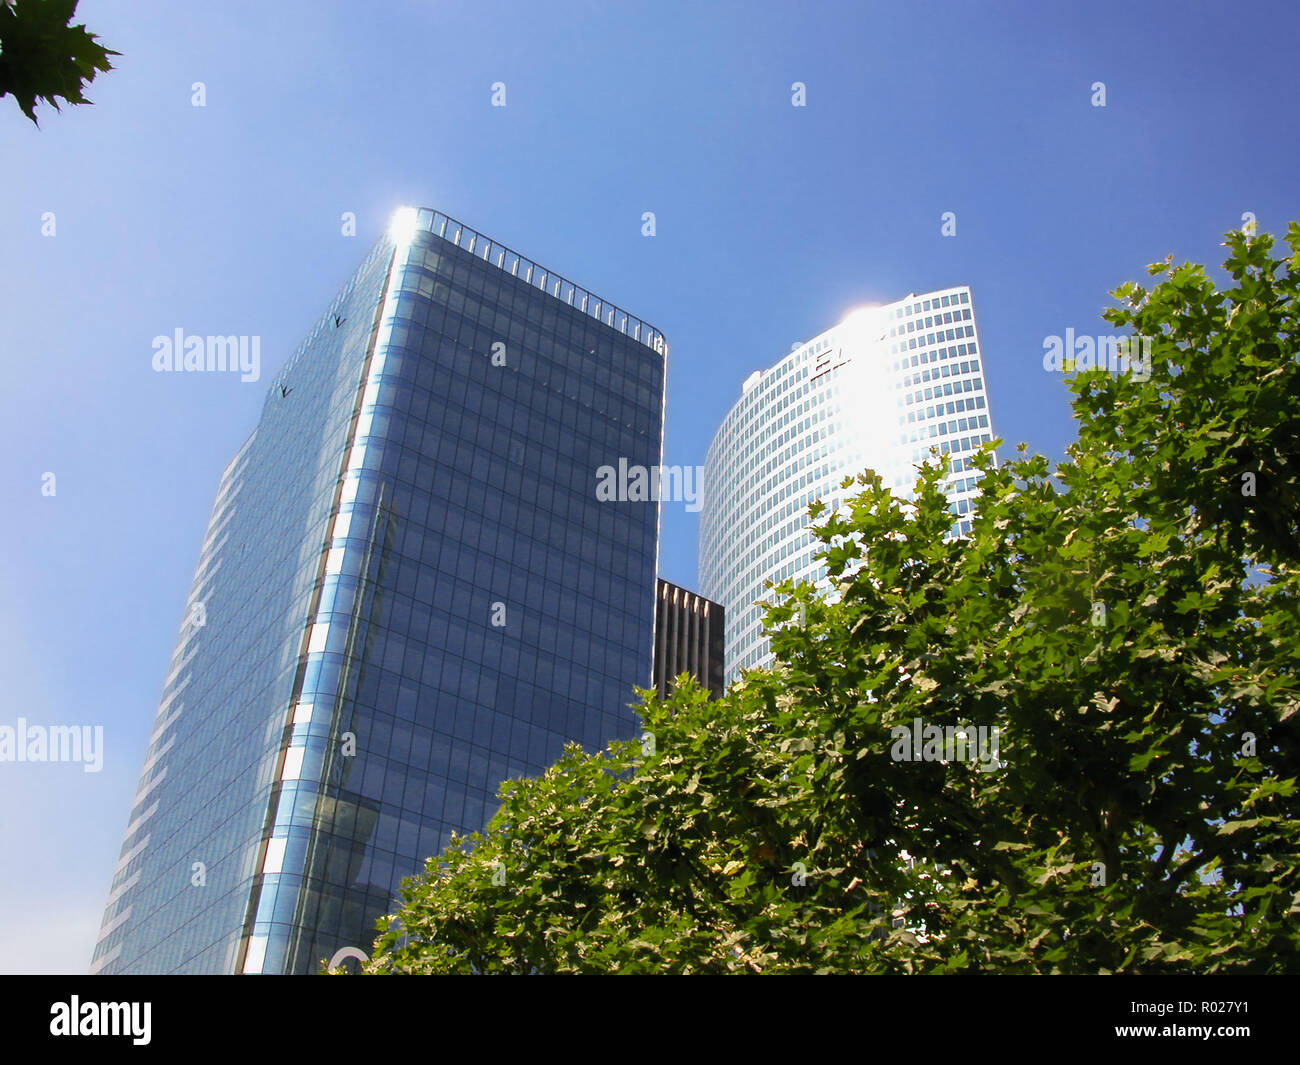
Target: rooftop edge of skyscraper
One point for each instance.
(862, 313)
(512, 262)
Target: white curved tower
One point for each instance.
(878, 390)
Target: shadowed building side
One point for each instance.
(689, 638)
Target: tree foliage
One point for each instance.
(44, 57)
(1128, 620)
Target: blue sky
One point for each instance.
(772, 222)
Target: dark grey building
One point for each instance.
(689, 638)
(408, 592)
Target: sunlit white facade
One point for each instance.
(879, 390)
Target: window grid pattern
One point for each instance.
(821, 414)
(196, 826)
(363, 548)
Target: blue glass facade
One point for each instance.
(411, 592)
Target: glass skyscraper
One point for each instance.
(877, 391)
(408, 593)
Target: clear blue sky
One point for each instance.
(773, 221)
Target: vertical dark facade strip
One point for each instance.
(688, 639)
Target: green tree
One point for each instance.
(44, 57)
(1128, 621)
